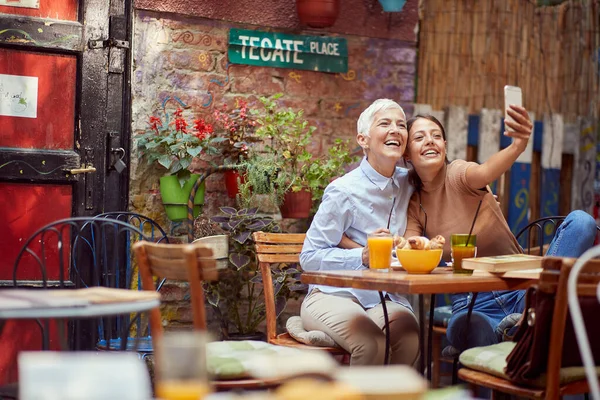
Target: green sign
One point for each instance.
(268, 49)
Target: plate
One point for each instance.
(396, 266)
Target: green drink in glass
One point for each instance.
(461, 249)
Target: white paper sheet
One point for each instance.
(18, 95)
(21, 3)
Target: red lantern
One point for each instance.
(318, 13)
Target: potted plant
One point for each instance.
(277, 167)
(235, 133)
(284, 168)
(237, 298)
(172, 146)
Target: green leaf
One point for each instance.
(165, 161)
(184, 162)
(194, 151)
(152, 145)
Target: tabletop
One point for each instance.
(441, 280)
(70, 303)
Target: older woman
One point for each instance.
(356, 204)
(445, 201)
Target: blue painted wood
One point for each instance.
(518, 215)
(505, 141)
(549, 196)
(473, 130)
(538, 131)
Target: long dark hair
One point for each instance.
(413, 177)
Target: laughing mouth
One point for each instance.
(430, 153)
(393, 143)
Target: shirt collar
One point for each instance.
(379, 180)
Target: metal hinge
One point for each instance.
(110, 42)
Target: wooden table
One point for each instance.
(441, 280)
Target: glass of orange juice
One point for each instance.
(380, 251)
(460, 249)
(181, 366)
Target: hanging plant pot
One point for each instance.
(175, 197)
(392, 5)
(318, 13)
(296, 204)
(231, 182)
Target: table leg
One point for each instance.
(124, 336)
(421, 334)
(430, 336)
(387, 329)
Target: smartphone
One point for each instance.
(512, 95)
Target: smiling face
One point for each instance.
(386, 141)
(426, 146)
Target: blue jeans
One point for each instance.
(573, 237)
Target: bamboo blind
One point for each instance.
(470, 49)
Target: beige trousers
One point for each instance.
(359, 331)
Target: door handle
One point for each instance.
(84, 169)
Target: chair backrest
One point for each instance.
(532, 236)
(151, 229)
(152, 232)
(79, 252)
(275, 248)
(553, 280)
(183, 262)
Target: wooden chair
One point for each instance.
(281, 249)
(553, 280)
(532, 237)
(192, 263)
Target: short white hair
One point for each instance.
(366, 117)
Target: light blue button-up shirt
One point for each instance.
(355, 204)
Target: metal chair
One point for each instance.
(156, 234)
(76, 253)
(533, 236)
(578, 320)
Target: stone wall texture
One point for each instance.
(181, 61)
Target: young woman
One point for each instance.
(445, 200)
(356, 204)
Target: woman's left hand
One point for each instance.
(522, 126)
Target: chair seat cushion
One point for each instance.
(492, 360)
(441, 315)
(312, 338)
(230, 359)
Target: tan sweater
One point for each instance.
(450, 208)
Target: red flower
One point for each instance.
(155, 123)
(181, 125)
(202, 129)
(180, 122)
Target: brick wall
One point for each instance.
(182, 60)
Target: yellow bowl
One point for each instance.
(419, 261)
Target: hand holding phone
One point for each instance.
(514, 96)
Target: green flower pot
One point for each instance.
(175, 198)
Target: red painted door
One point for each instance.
(53, 119)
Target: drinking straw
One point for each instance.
(473, 224)
(390, 216)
